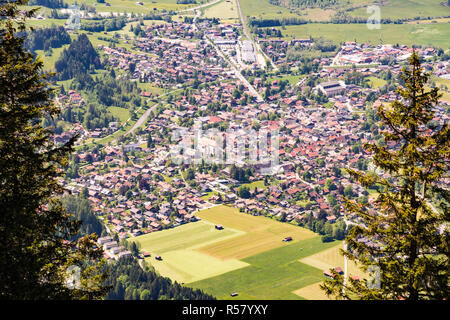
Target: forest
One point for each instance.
(130, 282)
(79, 58)
(54, 4)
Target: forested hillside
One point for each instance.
(82, 210)
(47, 38)
(79, 58)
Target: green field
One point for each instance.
(227, 12)
(273, 274)
(398, 9)
(261, 233)
(131, 5)
(255, 184)
(375, 82)
(392, 9)
(177, 246)
(407, 34)
(247, 256)
(121, 113)
(264, 10)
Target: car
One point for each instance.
(287, 239)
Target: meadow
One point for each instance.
(131, 5)
(248, 256)
(181, 261)
(392, 9)
(404, 34)
(226, 11)
(401, 9)
(264, 10)
(261, 233)
(273, 274)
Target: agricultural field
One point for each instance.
(393, 9)
(401, 9)
(273, 274)
(181, 261)
(247, 256)
(407, 34)
(131, 5)
(226, 11)
(264, 10)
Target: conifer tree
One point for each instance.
(36, 250)
(403, 242)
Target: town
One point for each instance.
(136, 188)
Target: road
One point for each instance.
(248, 35)
(239, 75)
(142, 119)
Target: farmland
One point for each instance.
(261, 234)
(407, 34)
(394, 9)
(273, 274)
(226, 11)
(247, 256)
(131, 6)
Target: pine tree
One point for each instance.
(35, 249)
(409, 239)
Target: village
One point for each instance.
(136, 188)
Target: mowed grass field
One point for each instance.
(271, 275)
(248, 256)
(261, 233)
(404, 34)
(181, 262)
(226, 11)
(397, 9)
(131, 5)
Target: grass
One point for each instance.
(325, 260)
(274, 274)
(261, 233)
(225, 11)
(121, 113)
(255, 184)
(263, 9)
(247, 256)
(156, 91)
(312, 292)
(375, 82)
(209, 195)
(398, 9)
(393, 9)
(181, 261)
(407, 34)
(332, 258)
(131, 5)
(293, 79)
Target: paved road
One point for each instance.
(239, 75)
(248, 35)
(142, 119)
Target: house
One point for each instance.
(123, 254)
